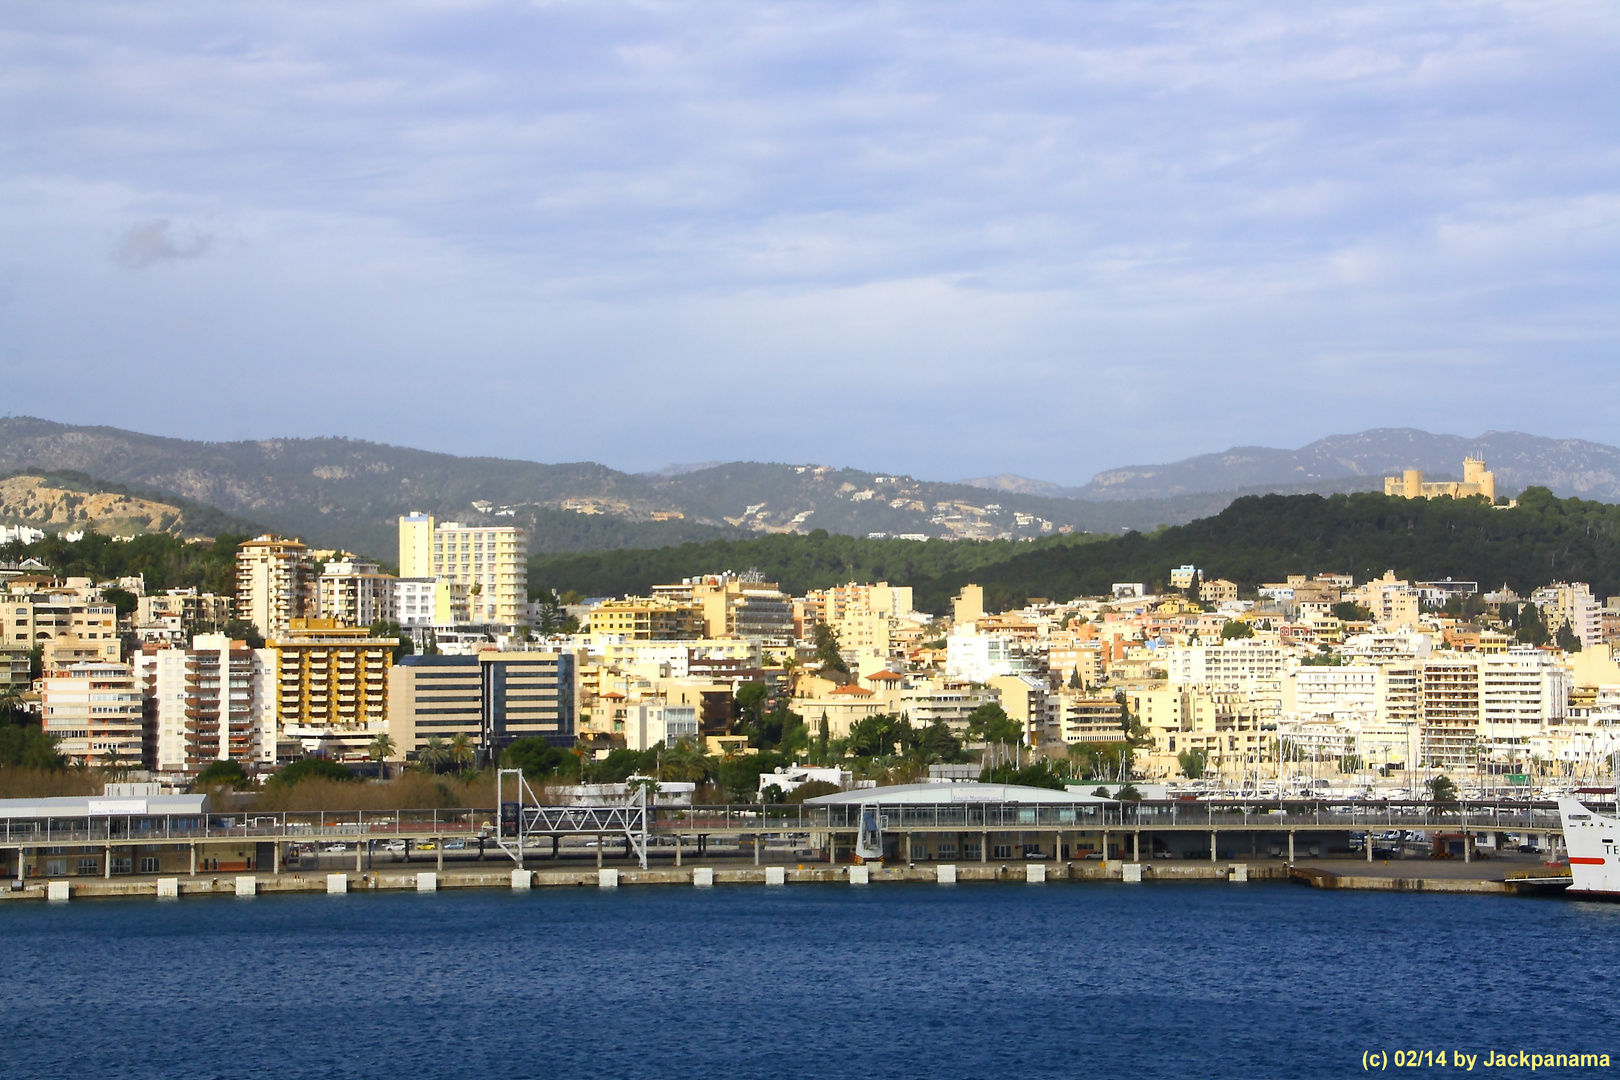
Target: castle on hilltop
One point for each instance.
(1477, 480)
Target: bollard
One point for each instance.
(58, 890)
(776, 875)
(860, 875)
(946, 875)
(703, 876)
(607, 879)
(168, 887)
(1035, 873)
(1133, 871)
(247, 886)
(427, 882)
(522, 879)
(337, 884)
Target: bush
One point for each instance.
(536, 757)
(312, 768)
(223, 772)
(811, 790)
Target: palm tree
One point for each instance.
(381, 748)
(461, 750)
(435, 754)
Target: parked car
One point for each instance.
(456, 845)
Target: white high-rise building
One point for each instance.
(212, 702)
(490, 561)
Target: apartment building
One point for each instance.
(275, 583)
(87, 628)
(423, 602)
(490, 560)
(331, 687)
(355, 592)
(94, 710)
(1029, 702)
(981, 657)
(648, 618)
(187, 608)
(736, 606)
(1572, 605)
(1234, 664)
(214, 701)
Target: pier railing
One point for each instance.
(474, 823)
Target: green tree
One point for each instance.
(535, 756)
(228, 771)
(1350, 611)
(434, 755)
(1235, 629)
(827, 649)
(939, 743)
(1528, 626)
(1074, 680)
(750, 699)
(1567, 640)
(989, 723)
(739, 776)
(26, 746)
(123, 601)
(1442, 790)
(1039, 774)
(381, 748)
(305, 768)
(404, 647)
(1193, 763)
(462, 750)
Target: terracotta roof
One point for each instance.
(853, 691)
(886, 676)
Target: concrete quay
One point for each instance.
(490, 878)
(1446, 878)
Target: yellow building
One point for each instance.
(648, 618)
(331, 686)
(1477, 480)
(490, 560)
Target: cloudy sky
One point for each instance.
(942, 238)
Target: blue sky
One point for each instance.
(941, 238)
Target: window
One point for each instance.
(89, 866)
(122, 865)
(970, 851)
(55, 867)
(1001, 851)
(149, 864)
(919, 852)
(945, 851)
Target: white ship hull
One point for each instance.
(1593, 841)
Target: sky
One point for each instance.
(947, 239)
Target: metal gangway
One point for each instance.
(525, 816)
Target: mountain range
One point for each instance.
(1570, 467)
(347, 493)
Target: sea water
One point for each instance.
(815, 981)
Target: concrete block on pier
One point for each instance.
(168, 887)
(703, 876)
(776, 875)
(58, 890)
(607, 879)
(1035, 873)
(427, 882)
(859, 875)
(247, 885)
(523, 879)
(946, 875)
(1133, 871)
(1240, 871)
(337, 884)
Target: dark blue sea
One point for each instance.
(813, 981)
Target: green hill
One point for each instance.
(1254, 540)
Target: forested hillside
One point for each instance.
(1256, 539)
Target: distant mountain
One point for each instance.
(1570, 467)
(68, 501)
(348, 493)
